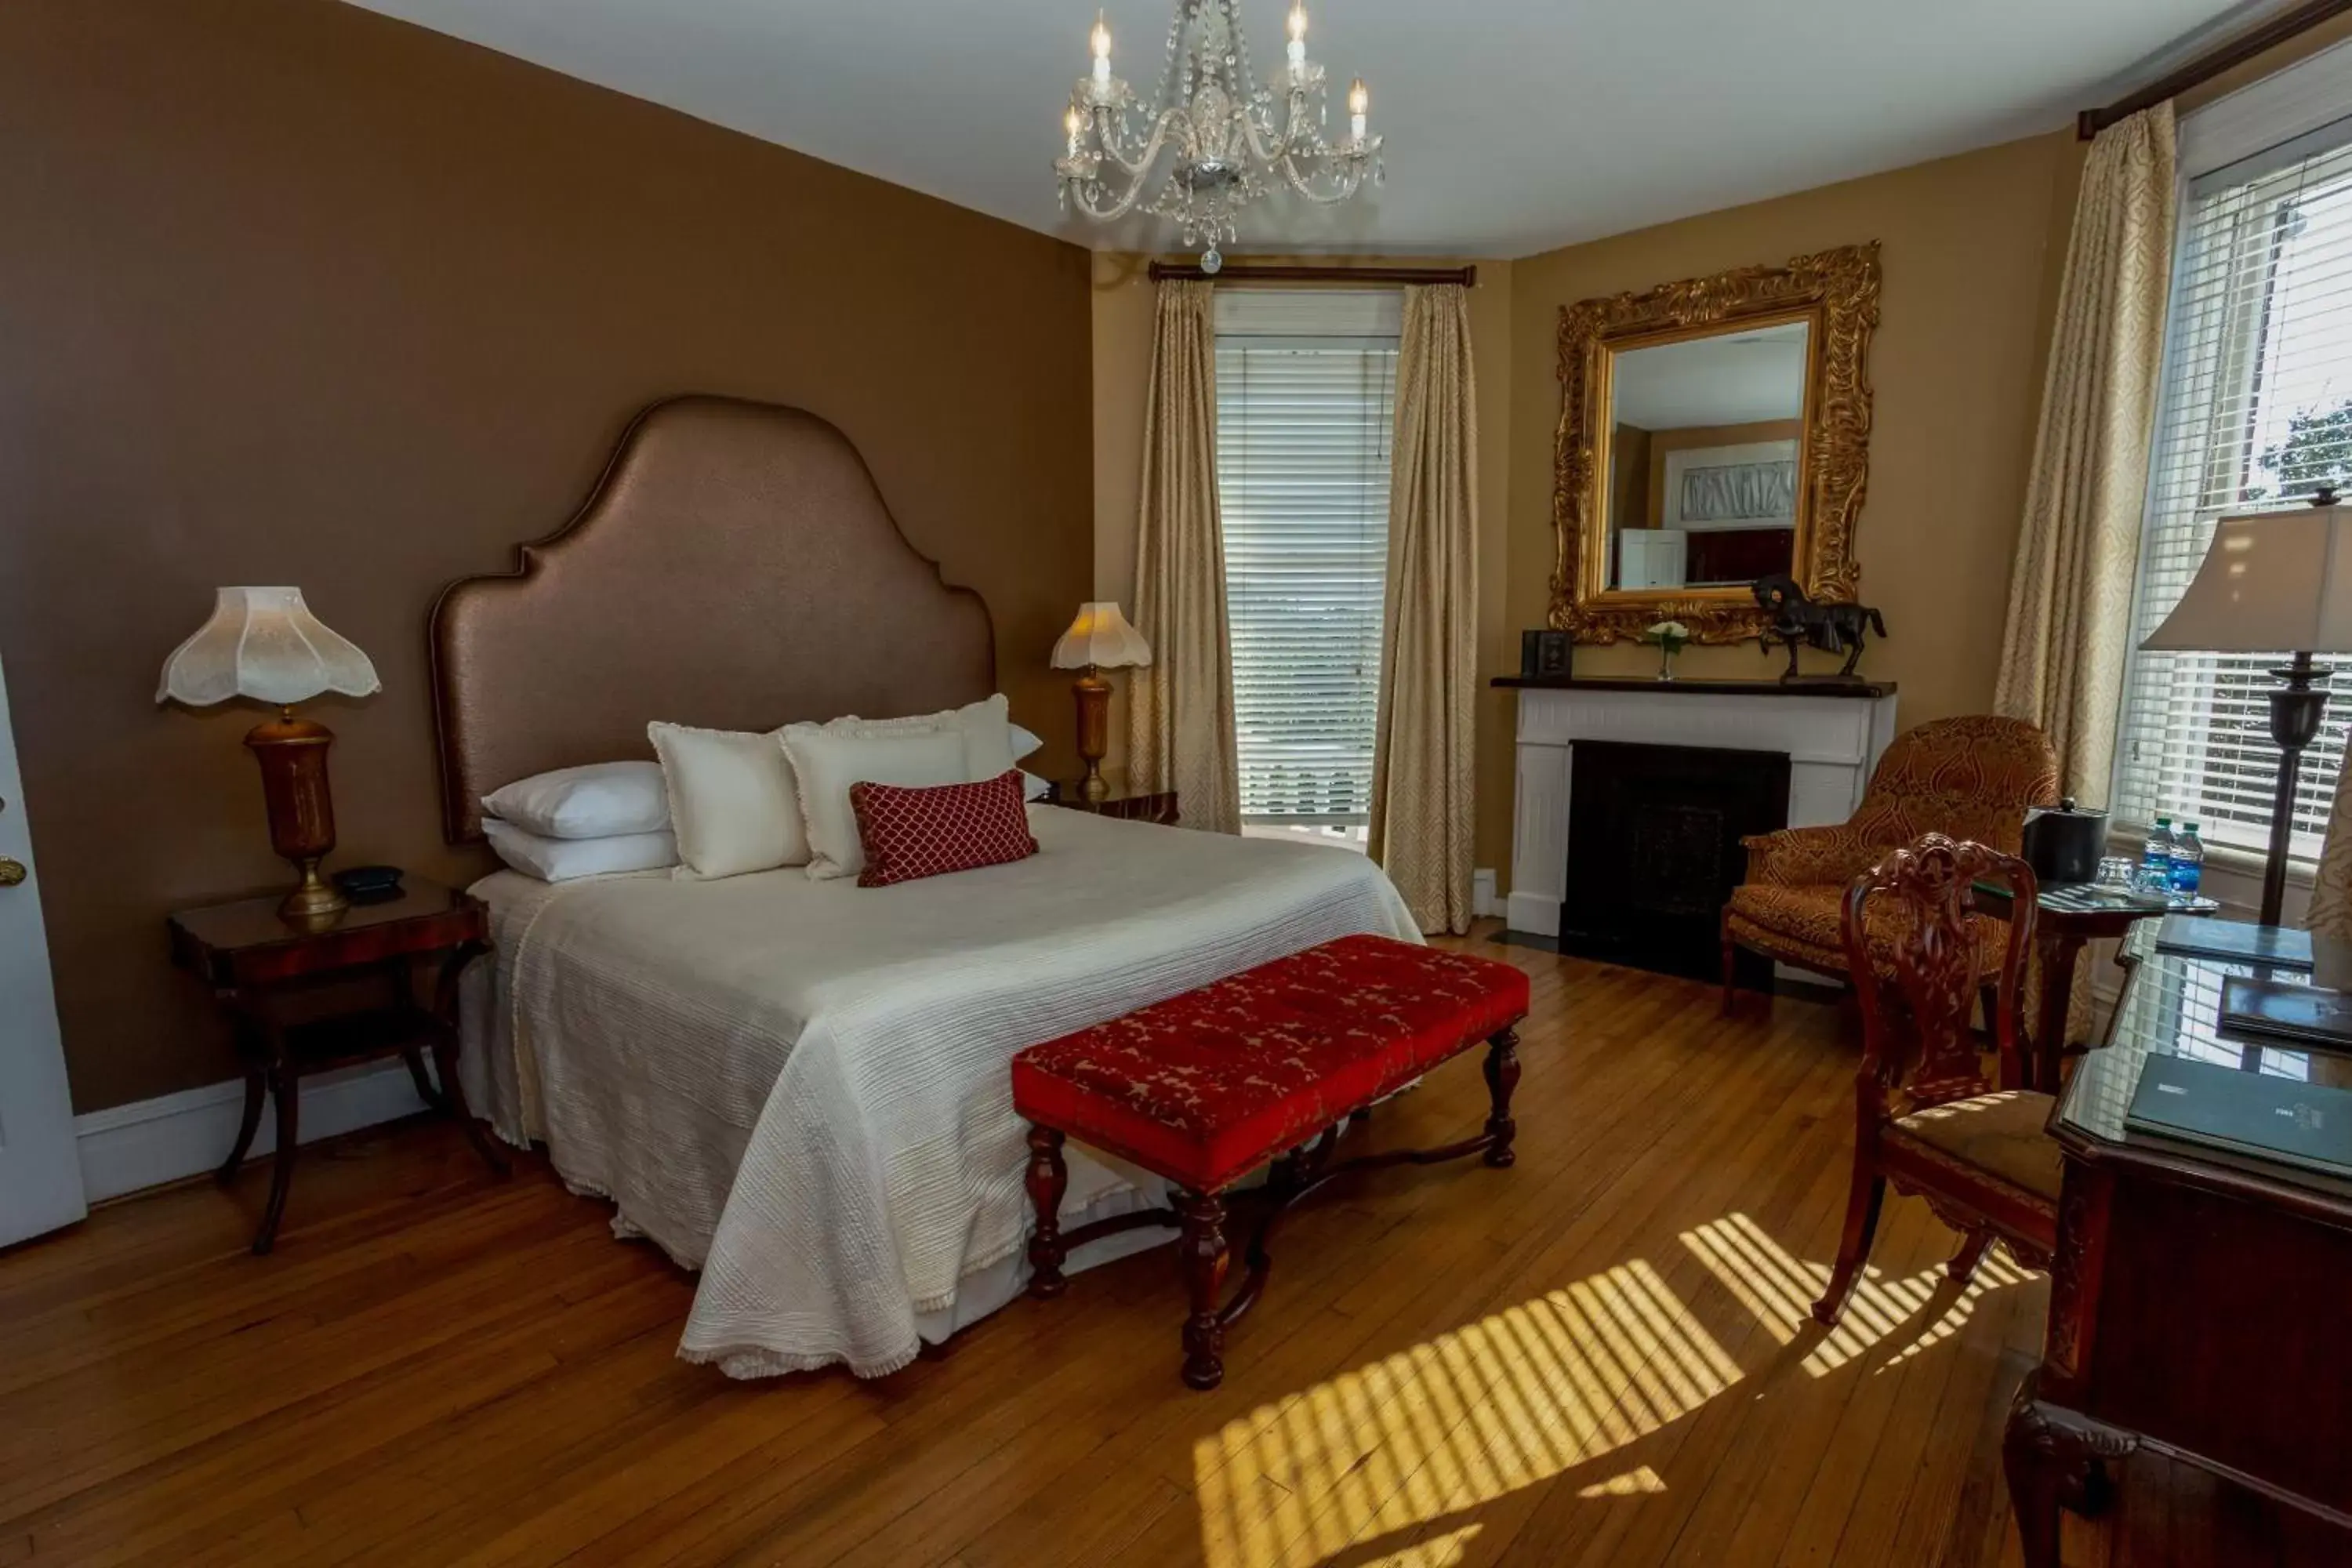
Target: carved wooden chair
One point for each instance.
(1926, 1118)
(1971, 778)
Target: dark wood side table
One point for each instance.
(262, 967)
(2193, 1306)
(2067, 917)
(1141, 805)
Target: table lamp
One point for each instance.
(1097, 640)
(2274, 581)
(265, 644)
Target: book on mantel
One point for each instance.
(2252, 1115)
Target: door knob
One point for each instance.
(11, 871)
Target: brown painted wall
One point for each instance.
(1972, 250)
(293, 293)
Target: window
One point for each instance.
(2255, 410)
(1305, 396)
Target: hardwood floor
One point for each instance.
(1600, 1356)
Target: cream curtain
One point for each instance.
(1180, 715)
(2061, 657)
(1423, 760)
(2331, 886)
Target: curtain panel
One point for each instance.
(2070, 597)
(1179, 711)
(1424, 759)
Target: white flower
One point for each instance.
(1665, 629)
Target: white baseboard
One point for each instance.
(1483, 898)
(1532, 913)
(127, 1147)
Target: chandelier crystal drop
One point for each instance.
(1211, 139)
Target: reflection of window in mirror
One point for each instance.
(1704, 439)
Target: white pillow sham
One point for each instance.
(731, 801)
(1023, 743)
(990, 747)
(562, 859)
(597, 800)
(826, 761)
(1032, 788)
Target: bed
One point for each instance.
(800, 1088)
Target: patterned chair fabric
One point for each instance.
(1969, 778)
(1207, 1085)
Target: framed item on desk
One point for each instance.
(1544, 653)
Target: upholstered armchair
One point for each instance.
(1969, 778)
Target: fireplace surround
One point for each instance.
(1831, 732)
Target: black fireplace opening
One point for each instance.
(1653, 852)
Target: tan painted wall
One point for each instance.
(294, 293)
(1122, 368)
(1972, 247)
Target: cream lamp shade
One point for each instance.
(264, 643)
(2274, 582)
(1100, 638)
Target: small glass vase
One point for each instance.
(1666, 652)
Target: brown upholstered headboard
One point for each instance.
(734, 568)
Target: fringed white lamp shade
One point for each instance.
(1100, 638)
(264, 643)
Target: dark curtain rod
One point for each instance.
(1241, 273)
(2236, 52)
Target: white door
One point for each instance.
(40, 1175)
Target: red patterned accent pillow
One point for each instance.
(912, 833)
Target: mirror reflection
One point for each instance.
(1704, 445)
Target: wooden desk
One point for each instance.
(2068, 916)
(2194, 1300)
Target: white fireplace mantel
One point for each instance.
(1833, 738)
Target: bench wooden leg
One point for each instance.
(1048, 1179)
(1502, 1078)
(1205, 1256)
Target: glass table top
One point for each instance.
(2172, 1006)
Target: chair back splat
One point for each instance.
(1918, 1049)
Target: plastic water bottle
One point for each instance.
(2156, 859)
(2188, 862)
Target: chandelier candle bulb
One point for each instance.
(1360, 106)
(1100, 40)
(1297, 41)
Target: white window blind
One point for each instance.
(2255, 410)
(1305, 397)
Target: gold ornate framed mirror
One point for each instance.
(1712, 432)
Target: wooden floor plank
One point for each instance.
(1599, 1356)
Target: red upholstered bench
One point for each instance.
(1204, 1088)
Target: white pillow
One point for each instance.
(988, 737)
(562, 859)
(1023, 743)
(731, 801)
(1035, 788)
(827, 761)
(598, 800)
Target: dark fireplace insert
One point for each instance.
(1653, 852)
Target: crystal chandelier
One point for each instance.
(1230, 141)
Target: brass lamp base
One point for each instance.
(1092, 693)
(293, 757)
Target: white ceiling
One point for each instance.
(1740, 378)
(1512, 125)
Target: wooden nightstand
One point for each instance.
(1148, 805)
(262, 967)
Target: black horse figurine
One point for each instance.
(1799, 620)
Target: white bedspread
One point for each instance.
(801, 1087)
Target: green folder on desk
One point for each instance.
(2251, 1114)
